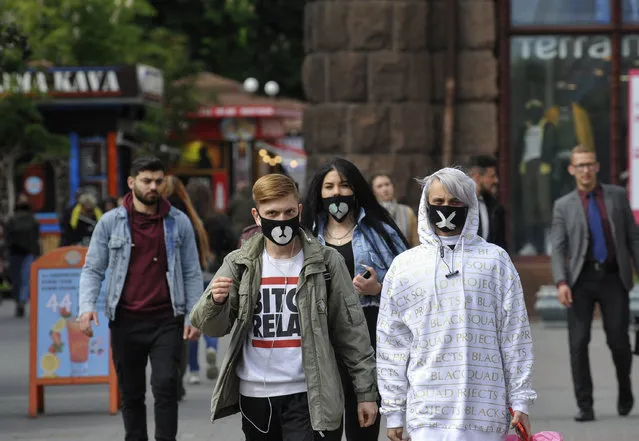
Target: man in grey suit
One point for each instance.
(595, 242)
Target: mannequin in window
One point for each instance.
(573, 128)
(537, 149)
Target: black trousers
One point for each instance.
(134, 342)
(605, 288)
(351, 421)
(289, 420)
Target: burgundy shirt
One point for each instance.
(146, 291)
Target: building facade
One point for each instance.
(374, 73)
(533, 78)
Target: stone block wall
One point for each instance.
(374, 74)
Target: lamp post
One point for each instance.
(252, 85)
(271, 88)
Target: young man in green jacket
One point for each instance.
(291, 309)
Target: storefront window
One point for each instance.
(629, 61)
(560, 97)
(630, 12)
(561, 12)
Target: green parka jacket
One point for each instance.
(332, 326)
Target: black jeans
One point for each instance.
(606, 289)
(134, 342)
(289, 419)
(351, 421)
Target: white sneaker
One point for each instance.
(194, 378)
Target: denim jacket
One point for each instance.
(110, 248)
(376, 254)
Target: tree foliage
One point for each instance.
(109, 32)
(14, 48)
(22, 133)
(233, 38)
(81, 32)
(241, 38)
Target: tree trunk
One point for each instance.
(61, 178)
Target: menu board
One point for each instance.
(59, 353)
(62, 349)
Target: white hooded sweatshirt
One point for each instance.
(453, 354)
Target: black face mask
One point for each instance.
(339, 206)
(447, 218)
(280, 232)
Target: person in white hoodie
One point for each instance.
(454, 346)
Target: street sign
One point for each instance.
(59, 353)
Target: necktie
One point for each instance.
(595, 224)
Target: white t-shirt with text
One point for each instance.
(271, 363)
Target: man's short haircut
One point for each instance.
(581, 149)
(482, 162)
(146, 163)
(455, 181)
(274, 186)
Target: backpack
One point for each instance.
(247, 233)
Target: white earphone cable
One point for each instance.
(268, 361)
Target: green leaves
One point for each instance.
(90, 32)
(242, 38)
(21, 129)
(14, 48)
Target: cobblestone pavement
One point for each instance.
(81, 412)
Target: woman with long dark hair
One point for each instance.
(174, 190)
(342, 211)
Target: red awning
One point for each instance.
(246, 111)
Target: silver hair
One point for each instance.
(88, 200)
(455, 181)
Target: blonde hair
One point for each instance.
(173, 186)
(581, 149)
(274, 186)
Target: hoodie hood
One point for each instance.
(427, 234)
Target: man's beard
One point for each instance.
(491, 190)
(148, 201)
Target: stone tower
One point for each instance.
(374, 75)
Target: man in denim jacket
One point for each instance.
(153, 283)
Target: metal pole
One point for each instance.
(448, 129)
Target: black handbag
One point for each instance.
(636, 335)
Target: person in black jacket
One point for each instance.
(222, 238)
(22, 234)
(78, 228)
(492, 216)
